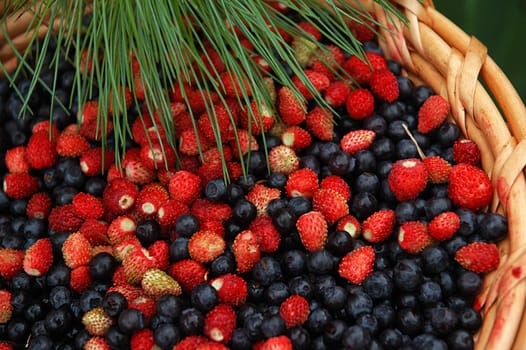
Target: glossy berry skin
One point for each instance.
(266, 271)
(186, 225)
(114, 303)
(191, 321)
(244, 212)
(204, 297)
(101, 266)
(131, 320)
(215, 190)
(169, 306)
(148, 232)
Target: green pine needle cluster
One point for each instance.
(170, 41)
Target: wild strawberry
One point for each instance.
(170, 210)
(124, 247)
(336, 94)
(244, 143)
(283, 159)
(294, 310)
(214, 226)
(246, 251)
(6, 308)
(469, 187)
(327, 61)
(281, 342)
(357, 140)
(96, 343)
(319, 123)
(204, 209)
(16, 160)
(302, 182)
(357, 265)
(385, 85)
(80, 278)
(466, 151)
(76, 250)
(160, 250)
(11, 262)
(359, 104)
(143, 340)
(150, 199)
(144, 304)
(407, 179)
(199, 99)
(46, 126)
(261, 195)
(444, 225)
(478, 257)
(309, 29)
(217, 120)
(267, 234)
(220, 323)
(215, 153)
(296, 137)
(190, 343)
(41, 151)
(360, 70)
(349, 224)
(20, 185)
(292, 110)
(185, 186)
(121, 228)
(158, 156)
(95, 161)
(127, 290)
(119, 196)
(233, 87)
(92, 125)
(258, 119)
(189, 142)
(64, 219)
(319, 82)
(205, 246)
(5, 346)
(331, 204)
(87, 206)
(432, 113)
(231, 289)
(137, 173)
(363, 30)
(38, 206)
(312, 229)
(413, 237)
(71, 145)
(136, 263)
(188, 273)
(96, 321)
(379, 226)
(156, 283)
(38, 258)
(338, 184)
(437, 169)
(95, 231)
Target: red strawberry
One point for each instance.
(80, 278)
(204, 209)
(205, 246)
(407, 179)
(170, 210)
(138, 173)
(11, 262)
(76, 250)
(466, 151)
(124, 247)
(158, 156)
(41, 151)
(160, 250)
(136, 263)
(233, 87)
(336, 94)
(379, 226)
(357, 265)
(283, 159)
(189, 273)
(143, 340)
(302, 182)
(220, 323)
(5, 346)
(292, 110)
(432, 113)
(363, 30)
(268, 236)
(189, 144)
(211, 346)
(244, 143)
(349, 224)
(190, 343)
(96, 343)
(261, 195)
(96, 321)
(478, 257)
(185, 186)
(87, 206)
(127, 290)
(281, 342)
(444, 225)
(361, 71)
(437, 169)
(318, 80)
(312, 229)
(327, 61)
(156, 283)
(413, 237)
(38, 258)
(119, 196)
(215, 153)
(121, 228)
(357, 140)
(20, 185)
(319, 123)
(359, 104)
(338, 184)
(150, 199)
(231, 289)
(64, 219)
(214, 226)
(294, 310)
(331, 204)
(95, 161)
(259, 118)
(48, 127)
(6, 308)
(95, 231)
(469, 187)
(16, 160)
(144, 304)
(71, 145)
(309, 29)
(92, 126)
(38, 206)
(246, 251)
(384, 84)
(296, 137)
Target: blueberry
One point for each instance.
(276, 293)
(255, 291)
(59, 321)
(334, 298)
(392, 111)
(435, 260)
(17, 330)
(299, 338)
(114, 303)
(59, 296)
(299, 205)
(358, 303)
(40, 342)
(468, 283)
(223, 264)
(234, 192)
(204, 297)
(444, 319)
(383, 149)
(377, 124)
(333, 331)
(240, 340)
(406, 211)
(469, 319)
(447, 134)
(277, 180)
(90, 299)
(409, 321)
(339, 243)
(356, 337)
(493, 227)
(396, 131)
(437, 205)
(167, 335)
(460, 340)
(131, 320)
(339, 162)
(317, 320)
(420, 94)
(244, 212)
(148, 232)
(272, 326)
(186, 225)
(215, 190)
(366, 182)
(378, 285)
(179, 249)
(363, 204)
(102, 266)
(256, 162)
(430, 293)
(252, 326)
(246, 182)
(428, 342)
(390, 338)
(326, 150)
(406, 148)
(284, 220)
(320, 262)
(276, 204)
(293, 262)
(266, 271)
(365, 161)
(58, 275)
(310, 161)
(407, 275)
(35, 311)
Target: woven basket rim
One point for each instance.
(436, 52)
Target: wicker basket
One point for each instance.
(434, 51)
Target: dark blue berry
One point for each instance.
(435, 260)
(131, 320)
(114, 303)
(409, 321)
(358, 303)
(266, 271)
(320, 262)
(186, 225)
(317, 320)
(215, 190)
(117, 339)
(169, 306)
(166, 335)
(356, 337)
(204, 297)
(339, 243)
(272, 326)
(378, 285)
(102, 266)
(407, 275)
(276, 293)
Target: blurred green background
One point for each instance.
(501, 26)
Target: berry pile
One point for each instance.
(367, 234)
